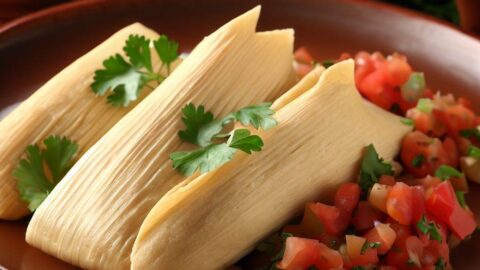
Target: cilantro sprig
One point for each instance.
(216, 147)
(372, 168)
(429, 228)
(368, 245)
(125, 78)
(43, 169)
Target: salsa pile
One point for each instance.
(397, 215)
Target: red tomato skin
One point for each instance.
(300, 253)
(398, 258)
(365, 216)
(442, 204)
(304, 56)
(401, 232)
(418, 203)
(329, 259)
(383, 234)
(374, 89)
(397, 71)
(399, 203)
(363, 66)
(354, 247)
(418, 144)
(456, 118)
(452, 151)
(330, 216)
(347, 197)
(387, 180)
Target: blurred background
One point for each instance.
(464, 13)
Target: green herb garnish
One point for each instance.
(407, 121)
(372, 168)
(368, 245)
(445, 172)
(43, 169)
(425, 105)
(461, 198)
(474, 151)
(203, 130)
(125, 79)
(429, 228)
(418, 160)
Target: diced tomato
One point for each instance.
(329, 259)
(422, 155)
(397, 70)
(300, 253)
(398, 258)
(452, 151)
(302, 69)
(383, 234)
(418, 203)
(387, 180)
(399, 203)
(356, 257)
(414, 248)
(378, 196)
(456, 118)
(373, 88)
(465, 103)
(363, 66)
(303, 55)
(347, 196)
(365, 216)
(320, 219)
(428, 182)
(442, 204)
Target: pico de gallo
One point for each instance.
(405, 214)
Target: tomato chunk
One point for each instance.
(378, 196)
(383, 234)
(357, 254)
(443, 205)
(320, 219)
(399, 203)
(365, 216)
(347, 196)
(300, 253)
(329, 259)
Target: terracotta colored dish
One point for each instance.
(34, 48)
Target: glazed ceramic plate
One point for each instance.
(34, 48)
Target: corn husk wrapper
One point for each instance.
(92, 217)
(64, 106)
(211, 221)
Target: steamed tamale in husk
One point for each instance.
(210, 221)
(64, 106)
(91, 219)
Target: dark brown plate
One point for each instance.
(34, 48)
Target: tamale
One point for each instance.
(92, 217)
(64, 106)
(210, 221)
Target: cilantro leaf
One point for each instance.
(461, 198)
(328, 63)
(121, 77)
(418, 160)
(445, 172)
(167, 50)
(241, 139)
(440, 264)
(368, 245)
(259, 116)
(204, 159)
(201, 129)
(125, 79)
(195, 119)
(138, 51)
(58, 154)
(470, 133)
(474, 151)
(372, 168)
(33, 183)
(429, 228)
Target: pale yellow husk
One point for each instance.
(210, 221)
(92, 217)
(64, 106)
